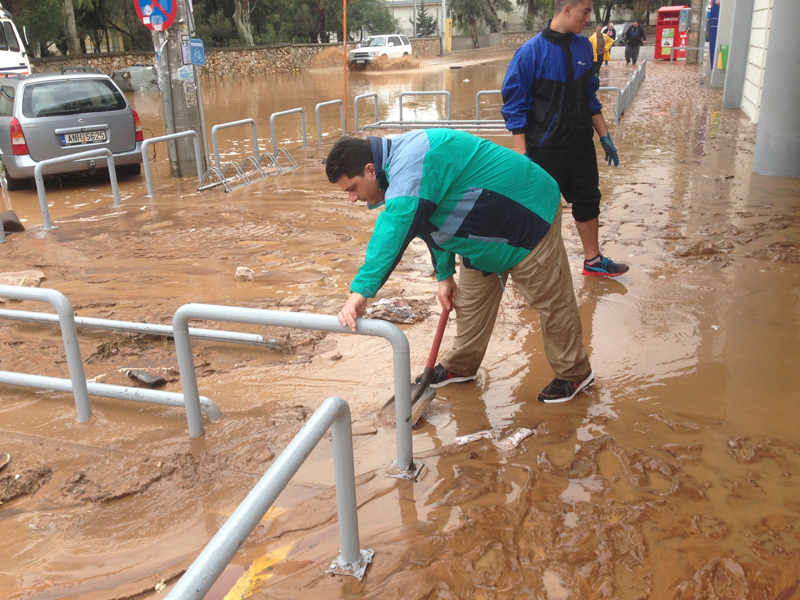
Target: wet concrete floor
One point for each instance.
(674, 477)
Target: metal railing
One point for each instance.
(626, 95)
(404, 466)
(98, 153)
(355, 107)
(478, 101)
(351, 560)
(215, 144)
(77, 384)
(319, 121)
(274, 116)
(674, 48)
(431, 93)
(148, 178)
(209, 335)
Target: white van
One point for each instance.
(13, 56)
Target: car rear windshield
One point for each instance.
(71, 97)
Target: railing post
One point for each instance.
(148, 178)
(39, 178)
(478, 101)
(355, 107)
(430, 93)
(69, 334)
(219, 126)
(272, 118)
(319, 120)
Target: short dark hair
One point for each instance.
(348, 157)
(560, 4)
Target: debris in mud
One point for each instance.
(31, 278)
(148, 379)
(150, 227)
(128, 344)
(244, 274)
(473, 437)
(11, 222)
(161, 586)
(97, 483)
(23, 483)
(364, 427)
(515, 439)
(5, 458)
(719, 578)
(708, 250)
(395, 310)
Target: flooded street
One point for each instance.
(676, 476)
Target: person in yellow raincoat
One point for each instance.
(601, 48)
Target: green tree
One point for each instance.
(469, 13)
(536, 11)
(426, 23)
(602, 10)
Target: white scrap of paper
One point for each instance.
(515, 439)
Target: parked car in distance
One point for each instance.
(13, 56)
(49, 115)
(373, 47)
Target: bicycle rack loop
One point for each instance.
(148, 178)
(274, 116)
(319, 121)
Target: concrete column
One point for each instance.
(778, 135)
(737, 56)
(723, 39)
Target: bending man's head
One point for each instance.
(350, 166)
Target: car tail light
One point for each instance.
(137, 126)
(18, 145)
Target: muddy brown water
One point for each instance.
(676, 476)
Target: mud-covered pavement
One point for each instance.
(675, 476)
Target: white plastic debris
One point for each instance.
(474, 437)
(161, 586)
(515, 439)
(244, 274)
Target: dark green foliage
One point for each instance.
(426, 23)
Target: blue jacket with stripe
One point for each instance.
(460, 194)
(549, 92)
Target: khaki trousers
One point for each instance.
(543, 277)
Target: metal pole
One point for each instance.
(278, 318)
(344, 471)
(355, 107)
(203, 132)
(208, 566)
(148, 178)
(69, 334)
(444, 28)
(209, 335)
(160, 43)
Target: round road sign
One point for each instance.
(156, 14)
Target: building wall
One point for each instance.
(756, 58)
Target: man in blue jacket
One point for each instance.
(465, 195)
(551, 109)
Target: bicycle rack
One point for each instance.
(77, 384)
(404, 466)
(98, 153)
(626, 95)
(274, 116)
(319, 121)
(432, 93)
(478, 101)
(148, 178)
(355, 107)
(334, 414)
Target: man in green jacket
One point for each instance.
(465, 195)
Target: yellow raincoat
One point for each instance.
(607, 45)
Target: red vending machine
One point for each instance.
(672, 30)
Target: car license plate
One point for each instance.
(361, 62)
(84, 137)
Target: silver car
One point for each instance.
(50, 115)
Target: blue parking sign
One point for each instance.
(198, 51)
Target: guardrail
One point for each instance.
(351, 560)
(77, 384)
(98, 153)
(404, 467)
(431, 93)
(215, 144)
(274, 116)
(148, 178)
(355, 107)
(478, 101)
(319, 121)
(626, 95)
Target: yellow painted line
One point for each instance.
(255, 577)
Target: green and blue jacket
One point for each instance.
(460, 194)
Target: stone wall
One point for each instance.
(515, 39)
(222, 62)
